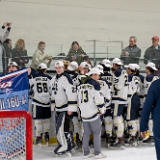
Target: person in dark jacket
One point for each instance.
(19, 54)
(76, 53)
(7, 54)
(132, 53)
(152, 105)
(153, 54)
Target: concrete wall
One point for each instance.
(59, 22)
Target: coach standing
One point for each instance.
(152, 105)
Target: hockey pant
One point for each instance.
(108, 120)
(133, 114)
(118, 121)
(77, 125)
(64, 137)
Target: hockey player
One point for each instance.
(64, 101)
(72, 71)
(106, 68)
(150, 69)
(91, 104)
(141, 94)
(108, 116)
(40, 84)
(133, 105)
(84, 69)
(119, 100)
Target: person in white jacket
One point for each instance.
(4, 33)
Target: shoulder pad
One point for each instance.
(130, 76)
(150, 77)
(141, 77)
(105, 81)
(118, 72)
(68, 78)
(94, 83)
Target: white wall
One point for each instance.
(59, 22)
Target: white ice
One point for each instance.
(130, 153)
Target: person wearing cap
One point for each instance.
(12, 66)
(132, 53)
(152, 54)
(106, 69)
(72, 71)
(91, 104)
(84, 68)
(132, 109)
(64, 102)
(148, 80)
(76, 53)
(40, 85)
(141, 94)
(119, 100)
(107, 117)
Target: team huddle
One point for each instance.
(109, 95)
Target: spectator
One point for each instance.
(19, 54)
(76, 53)
(3, 36)
(153, 54)
(132, 53)
(5, 33)
(40, 57)
(7, 54)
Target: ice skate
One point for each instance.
(119, 144)
(108, 140)
(132, 141)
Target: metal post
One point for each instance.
(94, 52)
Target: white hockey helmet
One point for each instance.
(117, 61)
(94, 71)
(73, 66)
(106, 63)
(152, 65)
(42, 66)
(100, 68)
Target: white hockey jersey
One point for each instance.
(108, 76)
(40, 85)
(75, 77)
(120, 86)
(148, 81)
(133, 85)
(106, 91)
(64, 97)
(90, 100)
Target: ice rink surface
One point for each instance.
(130, 153)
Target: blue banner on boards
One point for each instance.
(14, 91)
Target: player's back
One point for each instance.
(41, 86)
(120, 86)
(133, 84)
(90, 99)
